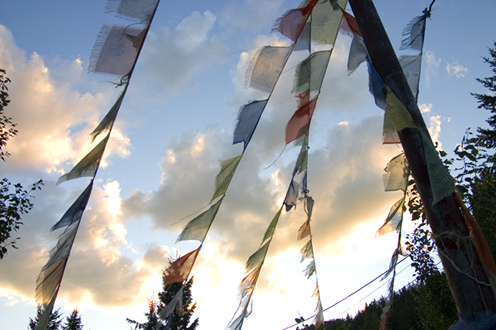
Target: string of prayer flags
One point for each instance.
(266, 67)
(75, 212)
(311, 71)
(223, 179)
(88, 165)
(197, 228)
(141, 10)
(291, 24)
(50, 277)
(179, 269)
(116, 50)
(248, 118)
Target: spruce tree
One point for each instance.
(53, 322)
(73, 322)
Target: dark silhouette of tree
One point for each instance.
(14, 199)
(176, 320)
(53, 322)
(73, 322)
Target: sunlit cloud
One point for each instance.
(456, 69)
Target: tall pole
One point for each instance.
(468, 276)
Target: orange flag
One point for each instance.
(179, 270)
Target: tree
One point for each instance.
(73, 322)
(53, 322)
(14, 199)
(177, 320)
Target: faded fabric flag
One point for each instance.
(257, 258)
(139, 9)
(397, 173)
(396, 117)
(88, 165)
(75, 212)
(411, 67)
(223, 179)
(350, 24)
(377, 86)
(269, 232)
(414, 34)
(311, 71)
(266, 67)
(179, 270)
(50, 276)
(326, 21)
(116, 50)
(292, 195)
(248, 118)
(358, 53)
(304, 230)
(198, 227)
(301, 118)
(291, 24)
(394, 218)
(108, 121)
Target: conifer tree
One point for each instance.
(73, 322)
(53, 322)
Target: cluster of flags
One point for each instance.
(315, 22)
(115, 53)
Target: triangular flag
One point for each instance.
(88, 165)
(292, 195)
(350, 24)
(75, 212)
(179, 270)
(248, 118)
(223, 179)
(272, 226)
(301, 118)
(257, 258)
(109, 119)
(307, 250)
(304, 230)
(394, 218)
(291, 24)
(198, 227)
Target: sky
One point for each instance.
(173, 129)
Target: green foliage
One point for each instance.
(14, 199)
(53, 322)
(7, 126)
(73, 322)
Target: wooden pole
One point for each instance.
(468, 277)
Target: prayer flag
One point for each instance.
(292, 195)
(394, 218)
(350, 24)
(414, 33)
(307, 250)
(116, 50)
(376, 86)
(197, 228)
(175, 304)
(304, 230)
(358, 53)
(109, 119)
(272, 226)
(301, 118)
(257, 258)
(311, 71)
(142, 9)
(75, 212)
(266, 67)
(397, 173)
(179, 270)
(248, 118)
(326, 20)
(396, 117)
(291, 24)
(411, 69)
(88, 165)
(223, 179)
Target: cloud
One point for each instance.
(171, 58)
(456, 69)
(432, 66)
(54, 119)
(242, 14)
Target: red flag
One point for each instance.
(298, 124)
(179, 270)
(291, 24)
(349, 24)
